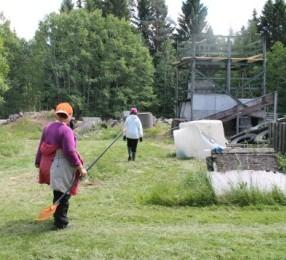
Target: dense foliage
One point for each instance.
(98, 64)
(276, 73)
(3, 71)
(272, 27)
(272, 22)
(105, 56)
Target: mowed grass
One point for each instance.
(114, 216)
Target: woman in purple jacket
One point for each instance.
(58, 159)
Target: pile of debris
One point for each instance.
(11, 118)
(258, 134)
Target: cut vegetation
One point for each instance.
(158, 207)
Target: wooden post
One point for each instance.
(264, 67)
(283, 148)
(276, 135)
(193, 74)
(228, 71)
(237, 123)
(279, 139)
(275, 106)
(177, 93)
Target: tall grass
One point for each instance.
(242, 195)
(282, 162)
(195, 189)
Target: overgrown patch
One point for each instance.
(193, 190)
(242, 195)
(282, 162)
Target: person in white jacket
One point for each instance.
(133, 132)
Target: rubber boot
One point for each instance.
(133, 156)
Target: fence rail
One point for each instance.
(277, 135)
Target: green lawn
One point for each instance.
(111, 218)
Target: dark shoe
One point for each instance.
(129, 158)
(61, 225)
(133, 156)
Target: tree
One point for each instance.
(151, 22)
(96, 63)
(91, 5)
(132, 7)
(192, 20)
(66, 6)
(19, 96)
(143, 20)
(276, 67)
(164, 79)
(3, 72)
(79, 4)
(248, 35)
(119, 9)
(272, 22)
(161, 29)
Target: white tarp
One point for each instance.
(197, 138)
(262, 180)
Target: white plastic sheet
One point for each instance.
(262, 180)
(197, 138)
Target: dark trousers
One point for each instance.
(60, 216)
(132, 147)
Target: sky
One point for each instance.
(222, 14)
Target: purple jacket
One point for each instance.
(60, 134)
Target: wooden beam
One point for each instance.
(246, 109)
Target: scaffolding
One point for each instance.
(222, 65)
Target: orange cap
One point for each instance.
(64, 108)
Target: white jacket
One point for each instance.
(133, 127)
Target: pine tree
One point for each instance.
(276, 66)
(161, 29)
(272, 22)
(143, 20)
(192, 20)
(79, 4)
(66, 6)
(91, 5)
(132, 7)
(117, 8)
(151, 22)
(156, 32)
(164, 79)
